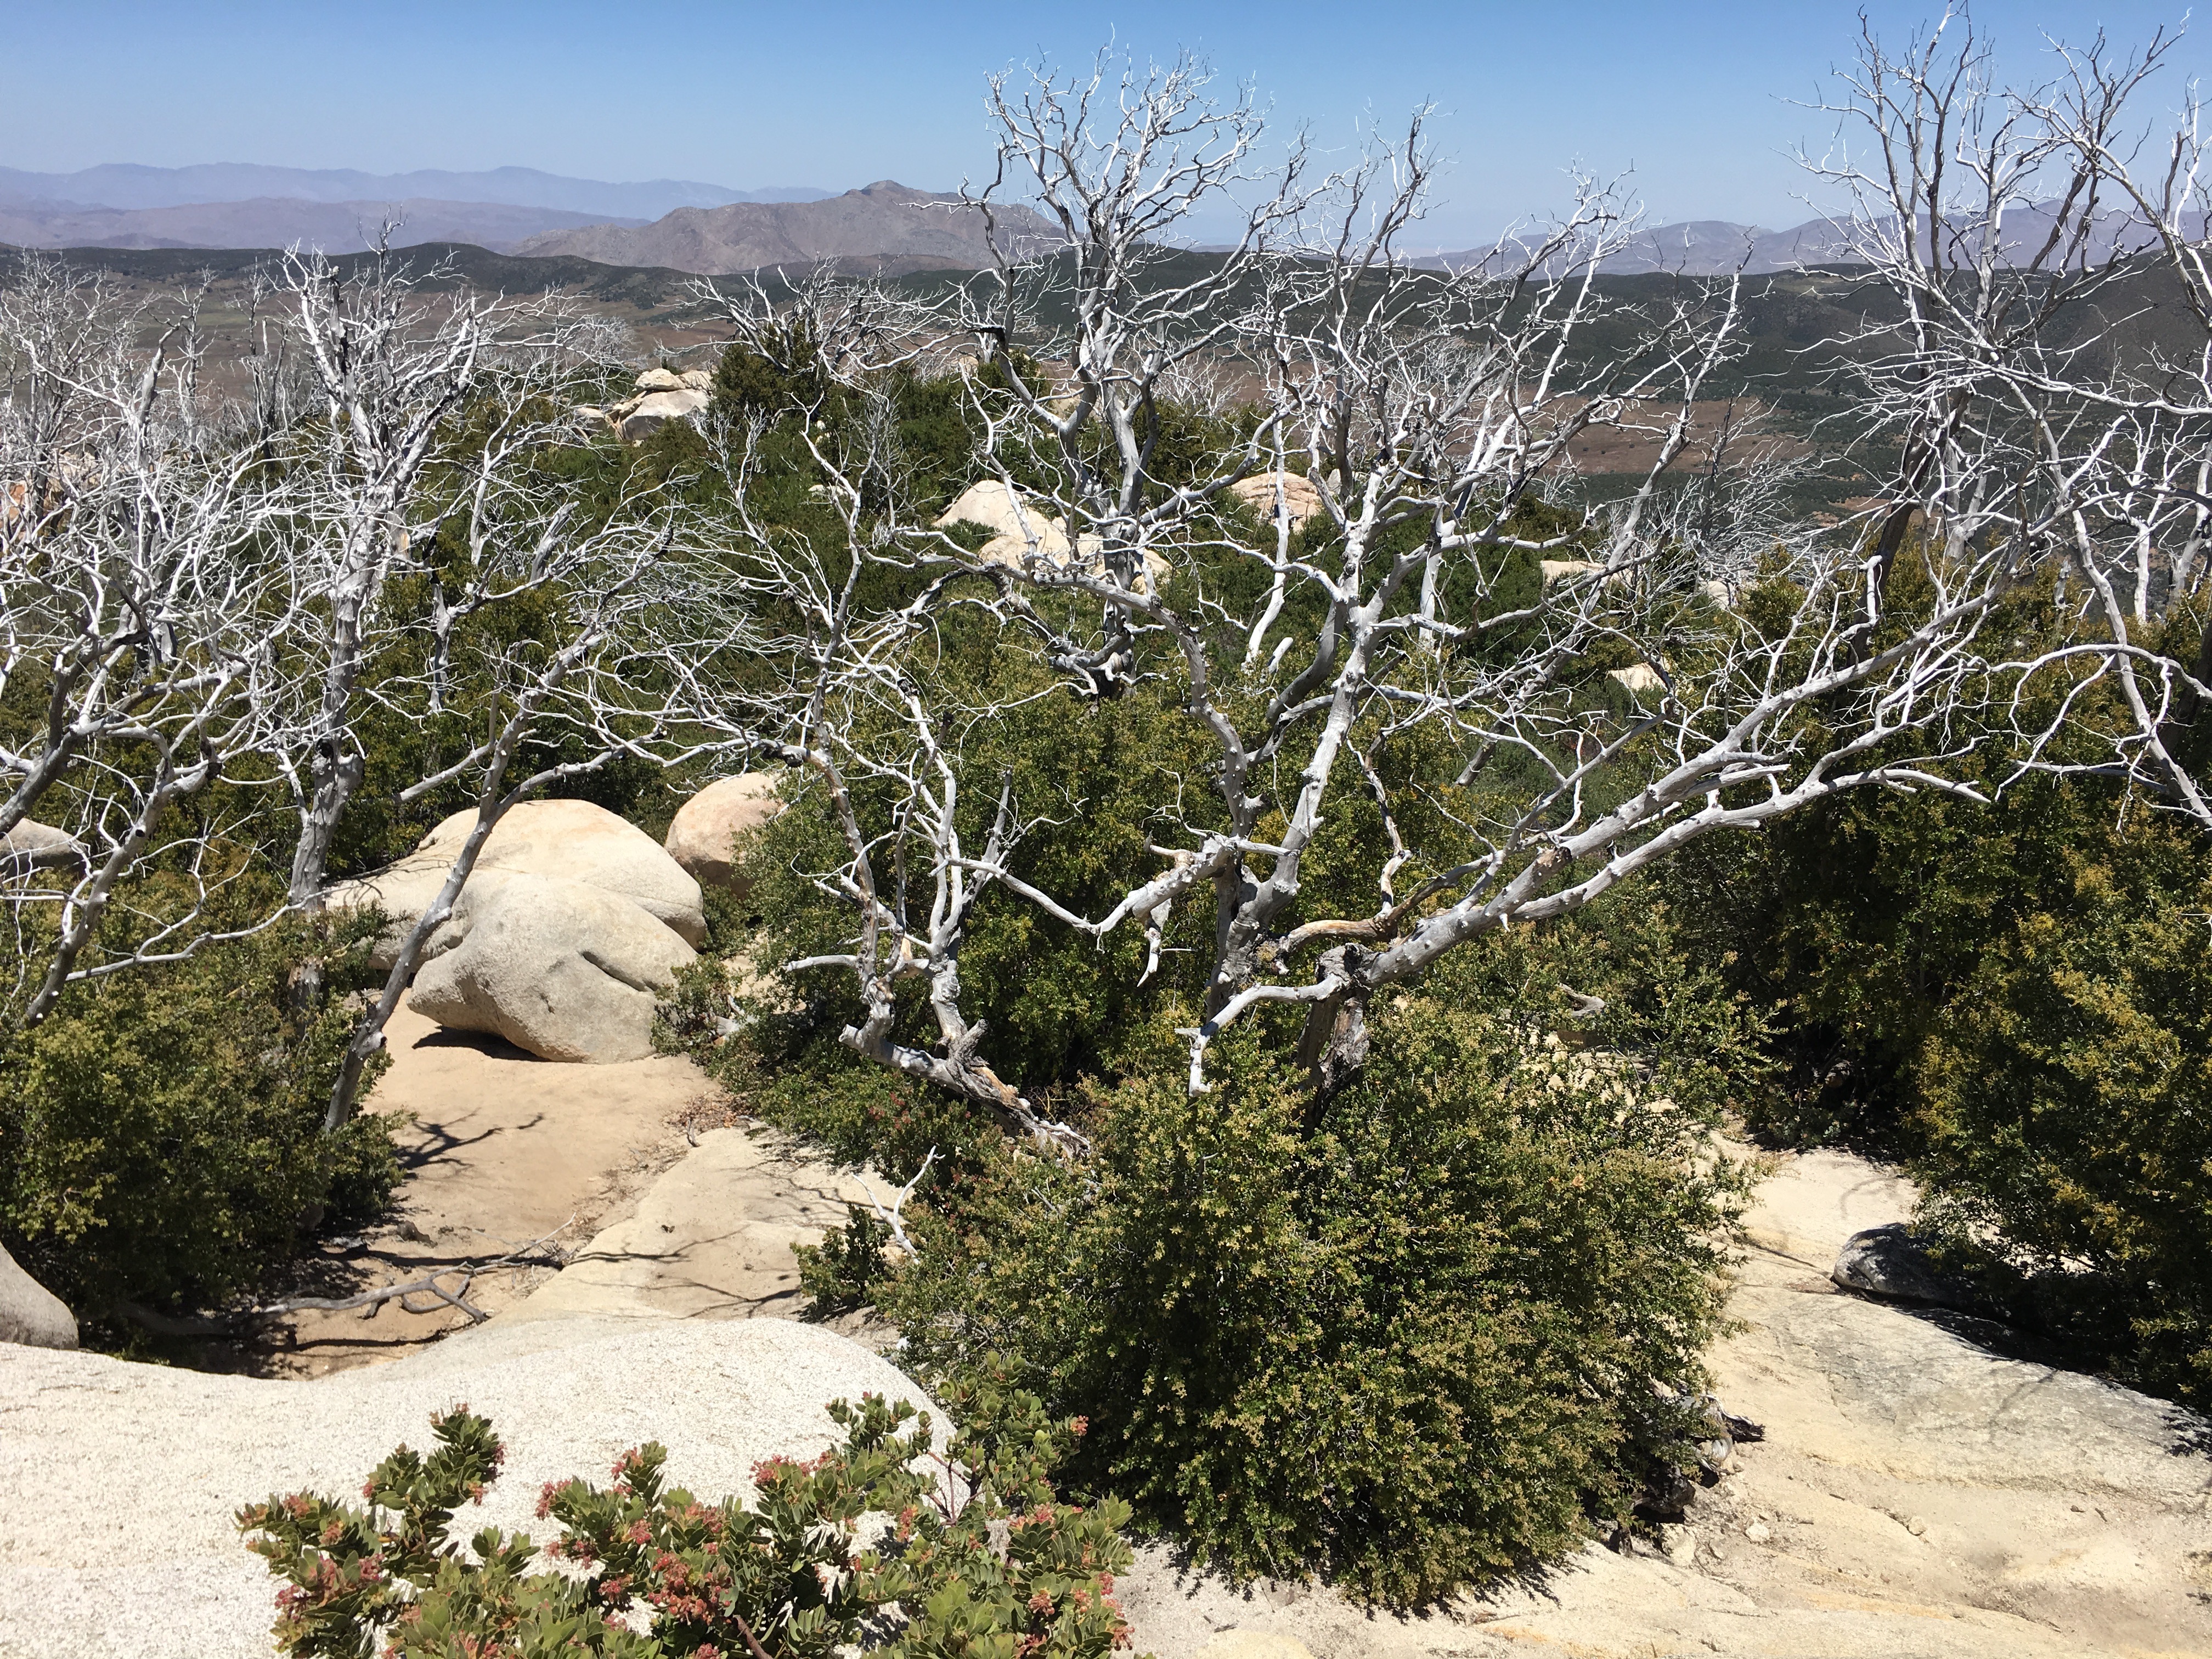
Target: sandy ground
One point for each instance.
(502, 1150)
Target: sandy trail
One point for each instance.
(666, 1203)
(502, 1149)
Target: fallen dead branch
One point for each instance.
(430, 1284)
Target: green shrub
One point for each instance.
(1406, 1333)
(2064, 1113)
(160, 1133)
(791, 1576)
(1853, 924)
(847, 1269)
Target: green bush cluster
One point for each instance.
(986, 1563)
(2009, 999)
(160, 1133)
(1409, 1333)
(2062, 1112)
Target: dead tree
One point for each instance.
(430, 395)
(2011, 228)
(141, 613)
(603, 602)
(1425, 408)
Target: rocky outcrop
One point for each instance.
(1292, 495)
(561, 970)
(662, 395)
(1020, 531)
(706, 827)
(30, 1313)
(571, 840)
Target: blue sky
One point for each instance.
(1694, 96)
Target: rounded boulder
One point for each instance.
(568, 839)
(706, 827)
(561, 970)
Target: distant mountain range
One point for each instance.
(130, 186)
(885, 226)
(277, 222)
(885, 229)
(1713, 247)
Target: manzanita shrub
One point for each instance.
(978, 1560)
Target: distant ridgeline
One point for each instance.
(1792, 321)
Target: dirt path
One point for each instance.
(503, 1149)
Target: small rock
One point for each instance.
(1915, 1525)
(659, 379)
(1666, 1493)
(1679, 1545)
(1892, 1262)
(1758, 1532)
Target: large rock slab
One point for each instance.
(570, 840)
(710, 1239)
(118, 1481)
(705, 827)
(566, 971)
(30, 1313)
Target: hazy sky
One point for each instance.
(1694, 94)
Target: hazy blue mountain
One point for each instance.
(280, 221)
(1713, 247)
(900, 228)
(127, 186)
